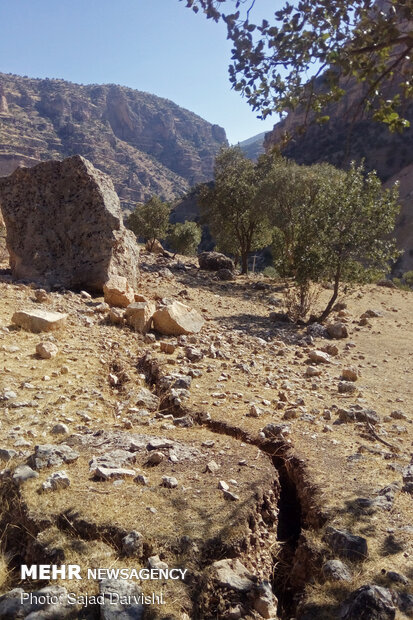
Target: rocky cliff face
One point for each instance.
(342, 140)
(148, 145)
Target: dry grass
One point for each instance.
(382, 354)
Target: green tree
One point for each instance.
(230, 208)
(329, 224)
(184, 238)
(150, 221)
(370, 41)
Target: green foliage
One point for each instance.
(150, 221)
(184, 238)
(230, 208)
(329, 224)
(366, 41)
(270, 272)
(408, 278)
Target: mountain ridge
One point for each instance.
(148, 144)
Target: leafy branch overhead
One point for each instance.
(309, 54)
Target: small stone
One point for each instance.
(106, 473)
(41, 296)
(155, 458)
(141, 479)
(231, 496)
(346, 544)
(312, 371)
(155, 562)
(23, 473)
(265, 601)
(116, 316)
(167, 347)
(132, 543)
(169, 482)
(349, 374)
(7, 455)
(223, 485)
(397, 577)
(337, 330)
(346, 387)
(211, 467)
(319, 357)
(58, 480)
(254, 411)
(60, 429)
(336, 570)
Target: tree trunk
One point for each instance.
(244, 263)
(331, 303)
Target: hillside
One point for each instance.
(147, 144)
(272, 463)
(344, 139)
(253, 147)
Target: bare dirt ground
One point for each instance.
(327, 466)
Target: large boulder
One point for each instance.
(213, 261)
(64, 226)
(177, 319)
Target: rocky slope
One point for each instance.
(319, 499)
(344, 139)
(253, 147)
(147, 144)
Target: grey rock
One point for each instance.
(116, 591)
(230, 496)
(265, 601)
(112, 460)
(141, 479)
(213, 261)
(335, 570)
(347, 387)
(317, 330)
(225, 274)
(370, 602)
(11, 607)
(193, 354)
(146, 399)
(346, 416)
(60, 429)
(159, 443)
(49, 455)
(408, 479)
(276, 430)
(367, 415)
(233, 575)
(23, 473)
(7, 455)
(337, 330)
(155, 458)
(345, 544)
(169, 482)
(108, 473)
(58, 480)
(397, 577)
(132, 543)
(64, 226)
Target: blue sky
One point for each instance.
(158, 46)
